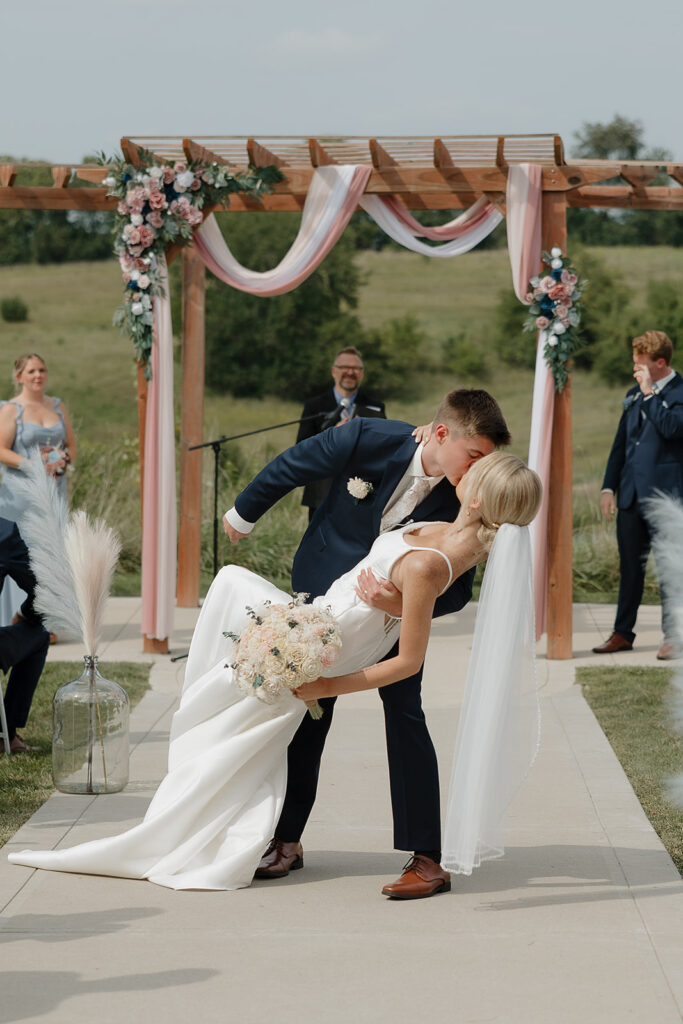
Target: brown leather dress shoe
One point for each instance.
(421, 877)
(615, 643)
(279, 859)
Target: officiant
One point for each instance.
(335, 406)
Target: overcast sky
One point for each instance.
(78, 75)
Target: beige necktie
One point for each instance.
(407, 503)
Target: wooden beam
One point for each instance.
(379, 156)
(500, 153)
(560, 524)
(442, 158)
(675, 171)
(92, 173)
(61, 176)
(259, 156)
(639, 176)
(558, 149)
(8, 173)
(19, 197)
(191, 429)
(193, 151)
(319, 156)
(131, 152)
(623, 197)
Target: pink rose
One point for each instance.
(157, 199)
(179, 168)
(542, 322)
(135, 204)
(135, 250)
(155, 219)
(547, 283)
(122, 208)
(196, 185)
(140, 264)
(169, 175)
(131, 234)
(147, 235)
(561, 311)
(558, 293)
(529, 297)
(194, 216)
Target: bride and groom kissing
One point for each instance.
(395, 541)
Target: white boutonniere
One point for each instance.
(359, 489)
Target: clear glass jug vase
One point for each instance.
(90, 734)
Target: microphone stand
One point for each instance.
(215, 446)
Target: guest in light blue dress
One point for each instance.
(32, 419)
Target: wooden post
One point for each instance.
(191, 430)
(560, 505)
(150, 644)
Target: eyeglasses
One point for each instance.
(349, 369)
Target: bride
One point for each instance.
(217, 807)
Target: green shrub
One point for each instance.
(463, 359)
(14, 310)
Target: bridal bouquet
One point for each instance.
(282, 647)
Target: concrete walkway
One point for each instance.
(580, 922)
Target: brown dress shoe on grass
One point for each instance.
(421, 877)
(613, 644)
(279, 859)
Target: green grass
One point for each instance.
(91, 368)
(26, 779)
(632, 707)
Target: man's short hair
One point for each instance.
(655, 344)
(472, 412)
(350, 350)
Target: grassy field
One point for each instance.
(633, 707)
(91, 368)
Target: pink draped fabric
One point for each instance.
(159, 483)
(524, 216)
(331, 200)
(476, 215)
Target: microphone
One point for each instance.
(333, 417)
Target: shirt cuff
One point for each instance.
(235, 520)
(607, 490)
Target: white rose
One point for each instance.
(136, 308)
(136, 219)
(134, 275)
(555, 251)
(552, 341)
(558, 328)
(556, 264)
(143, 281)
(109, 181)
(156, 172)
(185, 178)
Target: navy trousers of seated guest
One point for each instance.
(23, 649)
(635, 540)
(413, 768)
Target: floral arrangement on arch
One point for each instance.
(554, 308)
(159, 205)
(282, 647)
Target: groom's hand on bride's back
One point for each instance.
(381, 594)
(232, 533)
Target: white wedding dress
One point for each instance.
(214, 812)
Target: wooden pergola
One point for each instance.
(426, 173)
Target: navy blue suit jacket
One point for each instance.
(342, 531)
(647, 453)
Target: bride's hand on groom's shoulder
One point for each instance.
(381, 594)
(422, 433)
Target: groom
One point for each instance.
(404, 482)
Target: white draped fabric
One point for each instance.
(331, 200)
(499, 726)
(159, 483)
(524, 214)
(472, 230)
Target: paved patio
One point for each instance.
(581, 922)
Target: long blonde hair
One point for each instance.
(508, 490)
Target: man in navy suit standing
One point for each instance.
(24, 644)
(408, 482)
(647, 456)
